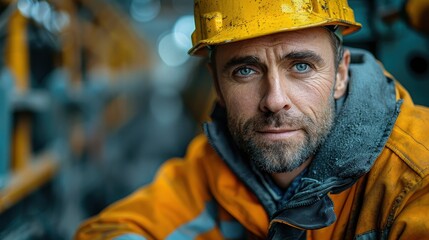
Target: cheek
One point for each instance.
(313, 96)
(319, 86)
(240, 102)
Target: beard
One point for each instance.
(278, 156)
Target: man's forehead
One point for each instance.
(308, 39)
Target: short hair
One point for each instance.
(337, 46)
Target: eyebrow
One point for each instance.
(294, 55)
(251, 60)
(304, 55)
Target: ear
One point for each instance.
(342, 77)
(212, 70)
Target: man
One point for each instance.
(308, 140)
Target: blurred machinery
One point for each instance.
(396, 31)
(70, 73)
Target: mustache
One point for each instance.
(278, 119)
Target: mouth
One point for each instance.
(278, 133)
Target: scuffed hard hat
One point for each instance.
(223, 21)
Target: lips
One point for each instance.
(278, 133)
(277, 130)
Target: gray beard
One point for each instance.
(281, 156)
(278, 157)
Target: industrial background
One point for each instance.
(95, 95)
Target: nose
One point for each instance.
(275, 95)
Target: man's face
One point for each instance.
(279, 91)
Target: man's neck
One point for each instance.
(283, 180)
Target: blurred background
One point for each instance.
(96, 94)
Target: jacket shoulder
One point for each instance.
(410, 135)
(393, 195)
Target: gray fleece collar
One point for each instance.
(361, 129)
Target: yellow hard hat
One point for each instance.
(223, 21)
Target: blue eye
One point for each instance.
(302, 67)
(244, 71)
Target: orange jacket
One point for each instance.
(202, 197)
